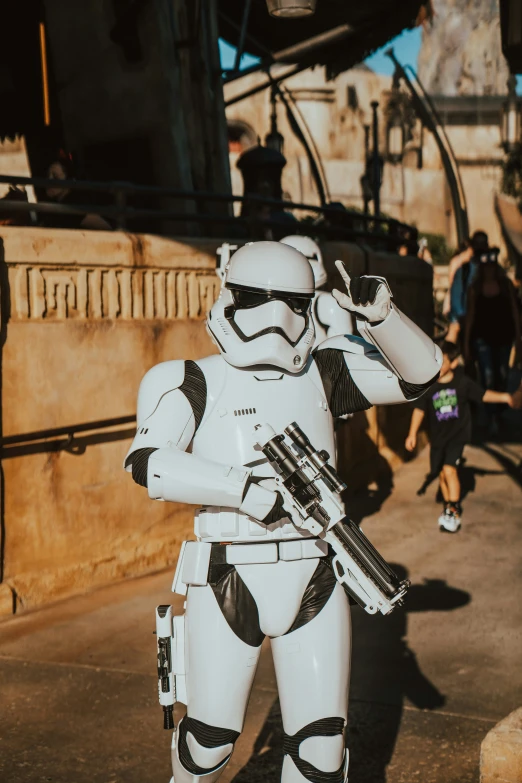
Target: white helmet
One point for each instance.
(311, 250)
(263, 314)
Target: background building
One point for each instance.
(461, 66)
(338, 115)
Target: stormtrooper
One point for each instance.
(329, 318)
(252, 571)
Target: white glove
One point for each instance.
(368, 297)
(258, 502)
(264, 502)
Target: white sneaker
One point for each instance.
(449, 522)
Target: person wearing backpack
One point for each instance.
(464, 276)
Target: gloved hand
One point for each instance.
(369, 298)
(263, 502)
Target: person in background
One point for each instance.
(59, 170)
(463, 257)
(461, 275)
(492, 325)
(424, 252)
(11, 217)
(410, 247)
(447, 407)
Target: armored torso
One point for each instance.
(237, 400)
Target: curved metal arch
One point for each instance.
(427, 112)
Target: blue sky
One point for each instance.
(406, 46)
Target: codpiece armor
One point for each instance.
(254, 570)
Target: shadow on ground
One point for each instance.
(509, 461)
(370, 499)
(385, 672)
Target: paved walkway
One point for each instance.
(78, 684)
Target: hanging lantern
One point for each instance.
(395, 138)
(274, 140)
(395, 125)
(511, 111)
(291, 9)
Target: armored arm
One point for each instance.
(171, 406)
(405, 364)
(392, 363)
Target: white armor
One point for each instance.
(271, 578)
(329, 318)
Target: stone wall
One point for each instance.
(461, 51)
(84, 316)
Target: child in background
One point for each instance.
(447, 405)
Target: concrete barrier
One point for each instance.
(501, 751)
(84, 316)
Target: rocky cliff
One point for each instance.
(461, 49)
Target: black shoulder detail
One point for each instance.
(139, 460)
(194, 387)
(413, 390)
(318, 591)
(341, 391)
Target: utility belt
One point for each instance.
(270, 552)
(196, 557)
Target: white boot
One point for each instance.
(449, 521)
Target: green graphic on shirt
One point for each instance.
(445, 397)
(446, 404)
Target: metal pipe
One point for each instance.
(428, 114)
(302, 48)
(130, 212)
(45, 76)
(248, 36)
(364, 179)
(312, 153)
(265, 85)
(57, 432)
(242, 33)
(297, 50)
(376, 169)
(252, 229)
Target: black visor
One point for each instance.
(245, 298)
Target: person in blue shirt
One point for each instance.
(463, 278)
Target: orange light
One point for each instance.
(45, 76)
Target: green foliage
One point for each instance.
(438, 247)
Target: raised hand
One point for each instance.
(368, 297)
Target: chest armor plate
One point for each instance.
(238, 399)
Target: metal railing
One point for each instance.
(324, 221)
(65, 438)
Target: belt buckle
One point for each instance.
(245, 554)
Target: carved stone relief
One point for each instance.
(79, 293)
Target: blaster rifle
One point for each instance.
(311, 490)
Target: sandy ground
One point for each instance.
(78, 684)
